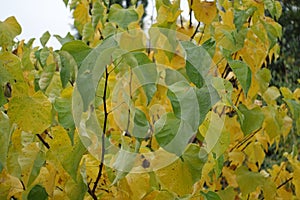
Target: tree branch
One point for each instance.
(103, 136)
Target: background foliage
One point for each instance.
(42, 151)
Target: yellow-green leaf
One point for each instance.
(31, 113)
(45, 37)
(68, 154)
(5, 134)
(248, 181)
(122, 17)
(31, 160)
(252, 120)
(9, 29)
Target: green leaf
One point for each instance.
(122, 17)
(66, 2)
(45, 38)
(141, 125)
(222, 144)
(189, 108)
(147, 75)
(207, 97)
(264, 77)
(228, 193)
(124, 162)
(90, 72)
(42, 55)
(68, 68)
(210, 46)
(173, 77)
(241, 16)
(38, 192)
(63, 106)
(36, 108)
(97, 14)
(173, 134)
(295, 110)
(88, 32)
(198, 63)
(252, 120)
(248, 181)
(194, 75)
(67, 38)
(175, 103)
(194, 158)
(78, 49)
(9, 29)
(242, 72)
(273, 7)
(210, 195)
(274, 32)
(5, 135)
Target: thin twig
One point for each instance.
(103, 134)
(43, 141)
(285, 182)
(196, 30)
(248, 137)
(130, 94)
(238, 97)
(191, 14)
(202, 33)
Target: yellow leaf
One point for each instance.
(139, 184)
(227, 18)
(230, 176)
(133, 40)
(81, 15)
(204, 11)
(255, 153)
(176, 178)
(236, 157)
(10, 186)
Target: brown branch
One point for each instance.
(248, 137)
(191, 14)
(196, 30)
(285, 182)
(103, 137)
(43, 141)
(201, 34)
(238, 97)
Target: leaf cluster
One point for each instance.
(182, 111)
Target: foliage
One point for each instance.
(286, 70)
(182, 112)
